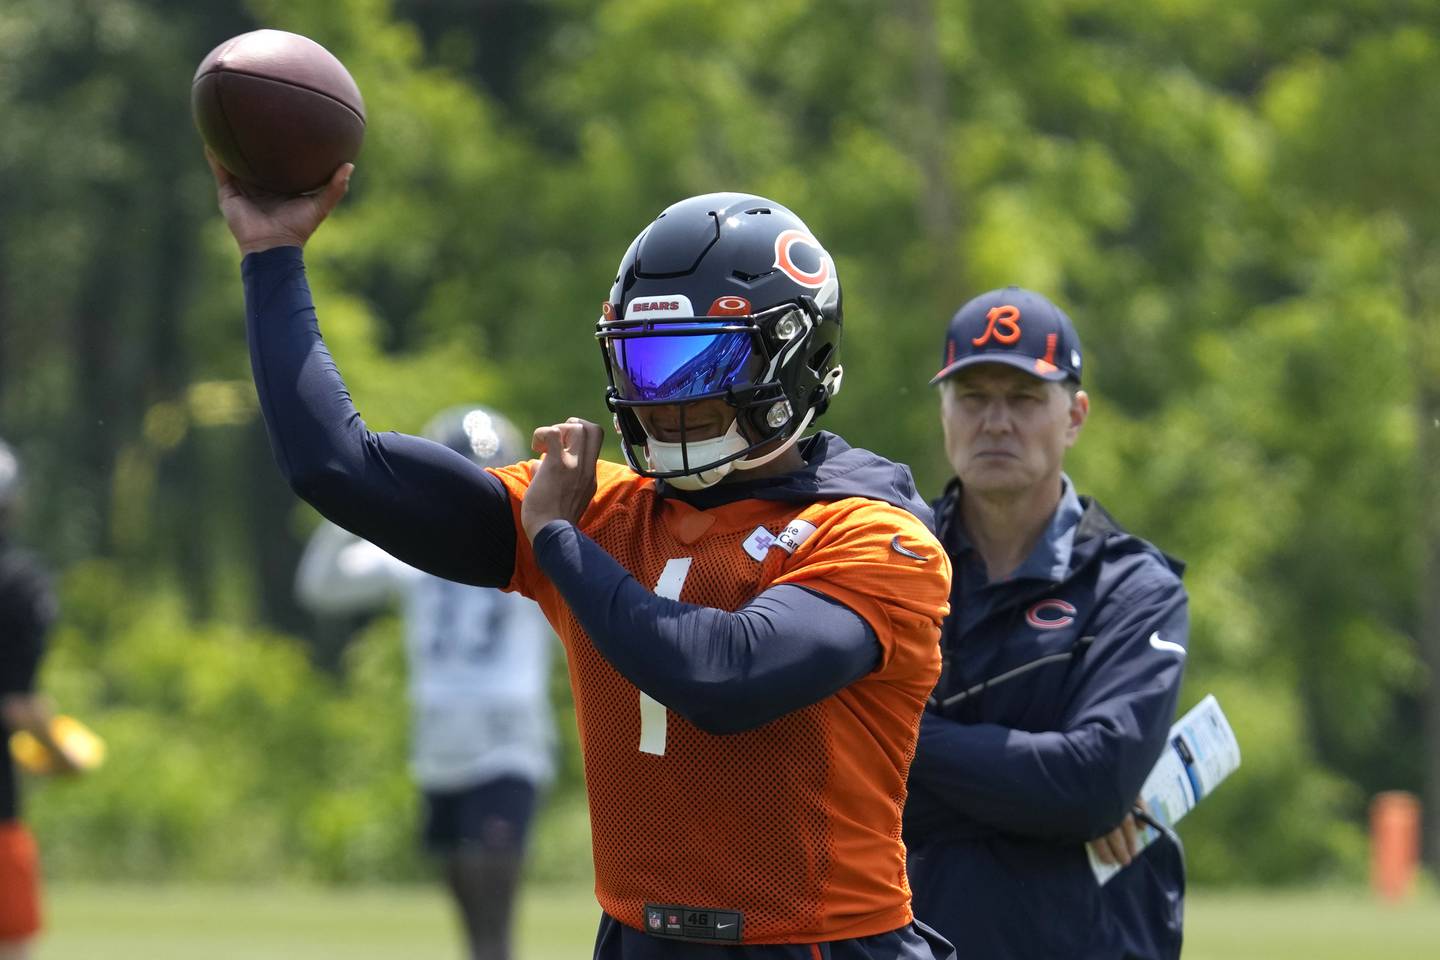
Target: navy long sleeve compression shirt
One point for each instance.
(724, 672)
(415, 499)
(438, 511)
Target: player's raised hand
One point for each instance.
(261, 220)
(564, 484)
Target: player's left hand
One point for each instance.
(564, 484)
(67, 762)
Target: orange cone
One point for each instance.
(1394, 844)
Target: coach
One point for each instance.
(1063, 654)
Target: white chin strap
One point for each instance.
(668, 457)
(789, 442)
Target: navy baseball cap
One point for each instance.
(1014, 326)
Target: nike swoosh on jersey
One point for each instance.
(903, 550)
(1169, 645)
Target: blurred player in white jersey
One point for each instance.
(479, 661)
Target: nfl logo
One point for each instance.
(653, 919)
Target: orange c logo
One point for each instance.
(1007, 317)
(783, 260)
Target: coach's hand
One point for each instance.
(1119, 846)
(565, 483)
(261, 220)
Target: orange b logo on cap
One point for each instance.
(1007, 317)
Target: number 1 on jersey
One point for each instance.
(652, 711)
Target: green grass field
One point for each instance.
(135, 923)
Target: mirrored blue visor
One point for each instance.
(681, 361)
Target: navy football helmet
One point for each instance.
(478, 433)
(727, 296)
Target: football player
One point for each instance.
(27, 608)
(751, 618)
(482, 737)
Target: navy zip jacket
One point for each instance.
(1059, 688)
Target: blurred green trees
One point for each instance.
(1235, 201)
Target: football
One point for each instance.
(278, 110)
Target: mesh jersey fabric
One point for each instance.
(794, 824)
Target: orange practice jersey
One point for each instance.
(794, 825)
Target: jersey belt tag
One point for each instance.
(675, 922)
(794, 535)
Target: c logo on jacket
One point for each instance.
(1036, 615)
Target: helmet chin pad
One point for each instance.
(665, 457)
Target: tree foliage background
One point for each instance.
(1236, 201)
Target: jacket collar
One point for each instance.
(1078, 530)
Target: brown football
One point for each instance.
(278, 110)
